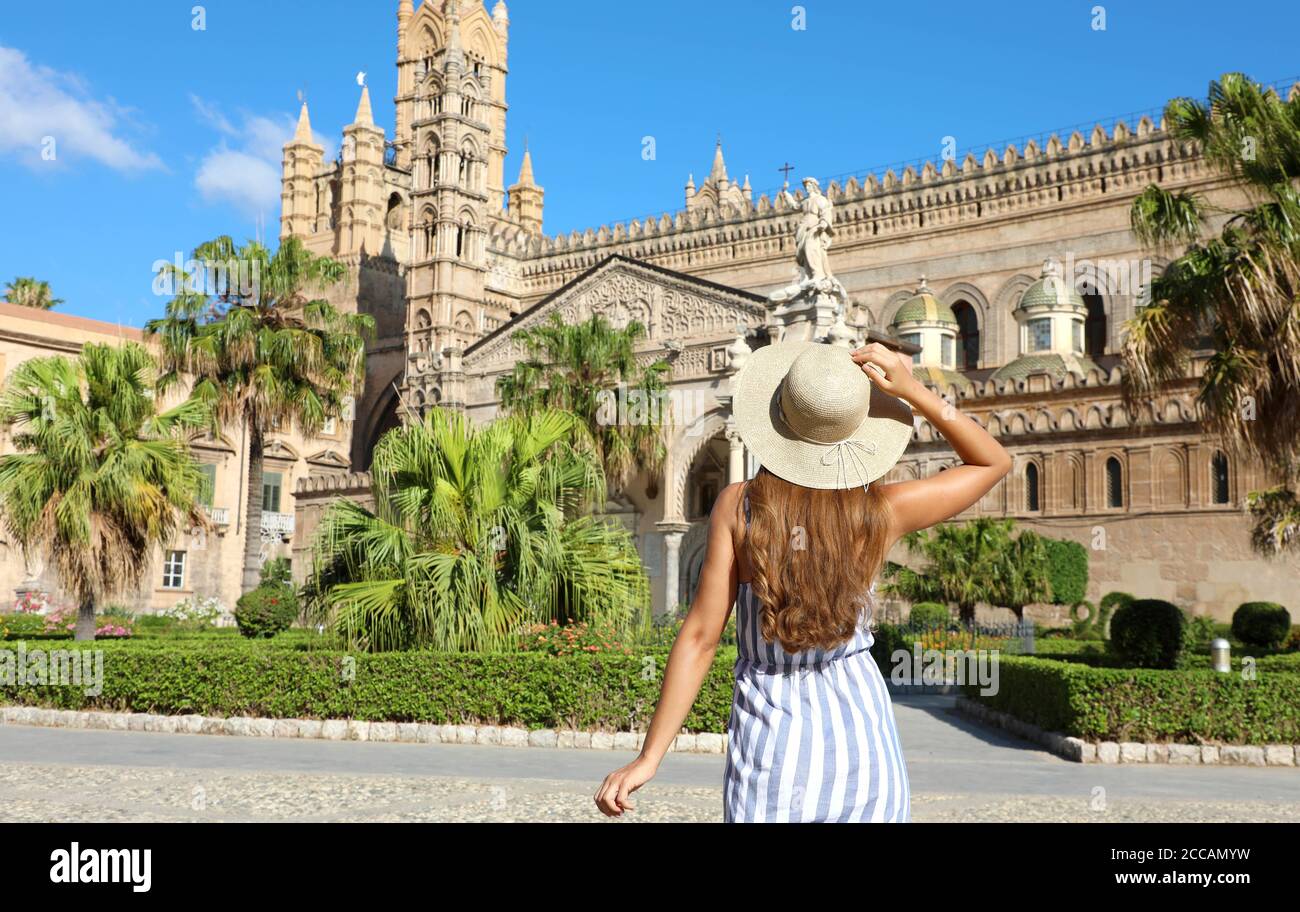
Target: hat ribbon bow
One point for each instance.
(847, 452)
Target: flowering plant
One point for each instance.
(571, 639)
(33, 603)
(196, 612)
(61, 620)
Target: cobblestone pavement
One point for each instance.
(62, 793)
(960, 772)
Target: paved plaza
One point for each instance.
(959, 772)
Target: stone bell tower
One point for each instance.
(450, 133)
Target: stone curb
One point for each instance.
(352, 730)
(1082, 751)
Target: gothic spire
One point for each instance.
(303, 133)
(526, 170)
(364, 116)
(719, 172)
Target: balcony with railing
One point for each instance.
(277, 524)
(220, 516)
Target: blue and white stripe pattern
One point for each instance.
(812, 735)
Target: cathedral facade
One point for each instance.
(1008, 277)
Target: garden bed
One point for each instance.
(1185, 706)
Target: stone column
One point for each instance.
(735, 455)
(672, 532)
(736, 463)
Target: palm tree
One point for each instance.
(972, 563)
(1024, 576)
(262, 353)
(1234, 292)
(101, 477)
(476, 531)
(590, 369)
(28, 292)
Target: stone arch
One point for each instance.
(964, 298)
(393, 216)
(1219, 489)
(1171, 478)
(1004, 344)
(1073, 488)
(891, 305)
(379, 421)
(1032, 485)
(1102, 285)
(1115, 480)
(480, 41)
(689, 442)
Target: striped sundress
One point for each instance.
(812, 736)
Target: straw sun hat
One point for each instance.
(810, 415)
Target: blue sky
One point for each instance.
(166, 135)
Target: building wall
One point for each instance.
(213, 562)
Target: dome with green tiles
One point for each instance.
(941, 377)
(1046, 362)
(1052, 292)
(924, 307)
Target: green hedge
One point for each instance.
(1067, 569)
(611, 692)
(1125, 704)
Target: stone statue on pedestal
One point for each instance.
(809, 305)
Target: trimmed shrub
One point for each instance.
(1262, 624)
(1199, 633)
(267, 610)
(1126, 704)
(1067, 570)
(928, 615)
(1292, 643)
(261, 678)
(1148, 633)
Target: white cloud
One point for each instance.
(244, 168)
(249, 183)
(47, 116)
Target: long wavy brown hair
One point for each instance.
(812, 555)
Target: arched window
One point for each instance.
(1032, 488)
(429, 234)
(1094, 327)
(1219, 478)
(968, 336)
(1114, 483)
(394, 218)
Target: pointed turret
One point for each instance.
(526, 197)
(303, 133)
(719, 171)
(717, 190)
(526, 169)
(364, 116)
(361, 197)
(405, 10)
(302, 160)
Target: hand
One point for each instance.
(612, 796)
(888, 369)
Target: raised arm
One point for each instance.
(691, 656)
(922, 503)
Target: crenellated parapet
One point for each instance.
(1013, 183)
(337, 485)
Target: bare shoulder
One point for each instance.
(728, 505)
